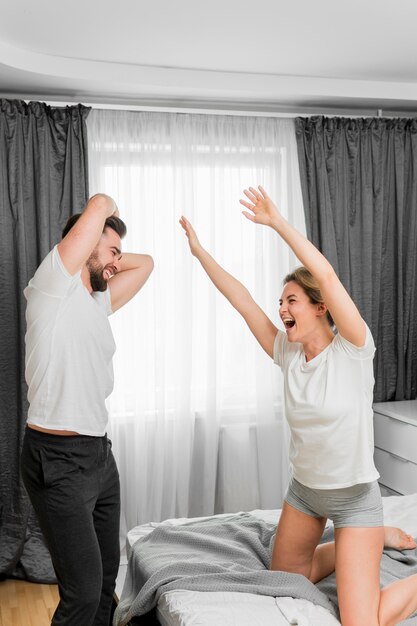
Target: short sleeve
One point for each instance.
(279, 342)
(51, 277)
(362, 353)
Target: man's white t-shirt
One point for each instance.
(69, 350)
(328, 403)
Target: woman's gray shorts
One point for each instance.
(359, 505)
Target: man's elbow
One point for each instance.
(102, 202)
(147, 265)
(149, 262)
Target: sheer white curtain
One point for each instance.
(196, 415)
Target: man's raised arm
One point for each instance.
(134, 271)
(80, 241)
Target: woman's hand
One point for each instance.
(193, 241)
(263, 210)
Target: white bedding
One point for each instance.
(192, 608)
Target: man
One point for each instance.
(67, 464)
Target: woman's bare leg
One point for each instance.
(324, 559)
(358, 558)
(305, 556)
(361, 601)
(398, 601)
(297, 538)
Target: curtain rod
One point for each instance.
(220, 111)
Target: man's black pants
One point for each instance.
(73, 484)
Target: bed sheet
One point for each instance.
(192, 608)
(202, 608)
(198, 608)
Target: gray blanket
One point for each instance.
(226, 554)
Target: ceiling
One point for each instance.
(266, 55)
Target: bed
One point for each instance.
(184, 600)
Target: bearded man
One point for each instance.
(67, 465)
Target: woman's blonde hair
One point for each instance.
(305, 279)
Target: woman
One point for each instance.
(328, 383)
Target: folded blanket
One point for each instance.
(227, 554)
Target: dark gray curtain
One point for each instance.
(43, 170)
(359, 181)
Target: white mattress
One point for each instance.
(196, 608)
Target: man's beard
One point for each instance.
(98, 282)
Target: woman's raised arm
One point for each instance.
(261, 210)
(237, 294)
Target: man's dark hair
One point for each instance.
(113, 222)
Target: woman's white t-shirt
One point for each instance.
(328, 403)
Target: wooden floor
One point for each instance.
(27, 604)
